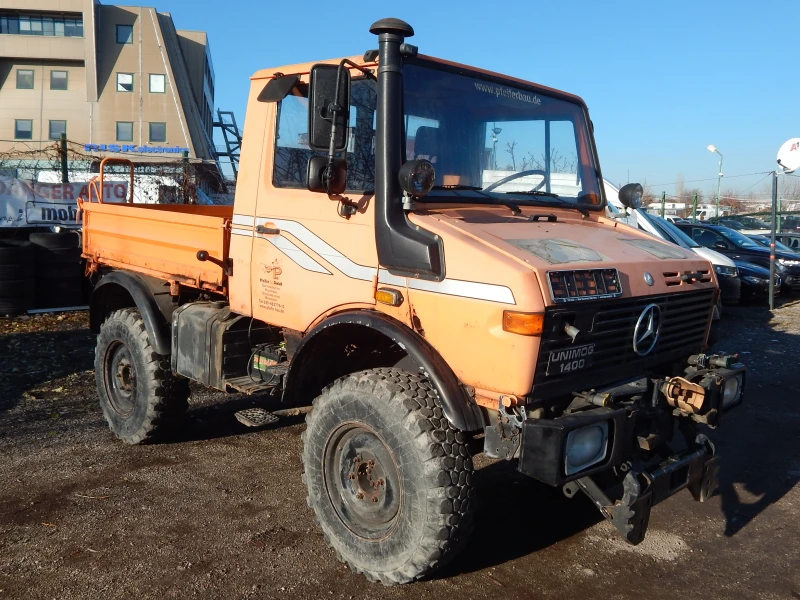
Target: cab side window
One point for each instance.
(292, 151)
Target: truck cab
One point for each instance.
(419, 250)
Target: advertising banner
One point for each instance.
(35, 203)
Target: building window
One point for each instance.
(58, 80)
(39, 25)
(124, 82)
(23, 129)
(124, 131)
(158, 132)
(57, 128)
(124, 34)
(158, 84)
(24, 79)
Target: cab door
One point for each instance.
(313, 254)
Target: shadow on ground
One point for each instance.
(757, 440)
(29, 359)
(517, 516)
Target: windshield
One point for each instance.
(764, 241)
(493, 142)
(740, 240)
(672, 232)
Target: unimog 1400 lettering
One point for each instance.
(419, 248)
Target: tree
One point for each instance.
(729, 199)
(510, 151)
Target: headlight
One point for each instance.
(724, 270)
(585, 447)
(787, 263)
(732, 391)
(754, 280)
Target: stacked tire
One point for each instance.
(17, 277)
(59, 270)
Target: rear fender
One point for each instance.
(123, 289)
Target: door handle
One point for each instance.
(267, 230)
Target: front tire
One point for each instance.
(389, 479)
(138, 393)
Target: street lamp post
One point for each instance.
(495, 132)
(713, 148)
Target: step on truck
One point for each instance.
(418, 249)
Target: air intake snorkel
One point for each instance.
(403, 248)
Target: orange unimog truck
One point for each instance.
(419, 249)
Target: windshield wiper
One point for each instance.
(535, 193)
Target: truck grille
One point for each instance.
(609, 325)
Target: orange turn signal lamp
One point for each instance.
(523, 323)
(389, 296)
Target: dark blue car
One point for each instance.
(739, 247)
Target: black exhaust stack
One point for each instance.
(403, 248)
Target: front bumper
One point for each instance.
(791, 281)
(652, 450)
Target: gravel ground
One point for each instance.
(220, 512)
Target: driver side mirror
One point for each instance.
(631, 195)
(329, 107)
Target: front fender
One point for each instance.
(458, 408)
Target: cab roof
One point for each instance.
(305, 68)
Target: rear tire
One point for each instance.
(138, 393)
(388, 477)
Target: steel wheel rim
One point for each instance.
(120, 378)
(362, 481)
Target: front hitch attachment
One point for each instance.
(631, 514)
(695, 470)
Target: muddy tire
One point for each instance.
(138, 393)
(389, 479)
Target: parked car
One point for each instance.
(746, 225)
(755, 281)
(790, 224)
(726, 221)
(673, 219)
(736, 246)
(792, 240)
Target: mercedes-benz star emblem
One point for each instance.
(645, 334)
(648, 279)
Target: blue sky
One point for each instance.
(662, 79)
